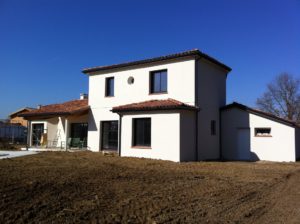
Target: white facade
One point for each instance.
(239, 141)
(192, 81)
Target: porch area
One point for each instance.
(58, 127)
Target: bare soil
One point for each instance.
(81, 187)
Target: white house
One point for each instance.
(170, 107)
(163, 108)
(250, 134)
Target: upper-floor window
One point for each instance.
(109, 86)
(159, 81)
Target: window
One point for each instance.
(109, 86)
(142, 132)
(213, 127)
(79, 132)
(109, 135)
(158, 81)
(262, 132)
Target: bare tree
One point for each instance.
(282, 98)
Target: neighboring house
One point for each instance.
(163, 108)
(250, 134)
(14, 117)
(59, 125)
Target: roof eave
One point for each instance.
(118, 111)
(157, 59)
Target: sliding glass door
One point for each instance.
(109, 137)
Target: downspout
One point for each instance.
(197, 111)
(28, 134)
(120, 134)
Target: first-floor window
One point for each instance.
(109, 135)
(142, 132)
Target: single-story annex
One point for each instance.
(171, 107)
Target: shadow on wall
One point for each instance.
(254, 157)
(92, 124)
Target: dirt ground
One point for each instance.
(62, 187)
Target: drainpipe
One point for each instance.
(120, 134)
(28, 134)
(197, 105)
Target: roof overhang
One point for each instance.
(193, 53)
(260, 113)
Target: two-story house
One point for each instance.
(164, 108)
(171, 107)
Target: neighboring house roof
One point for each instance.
(167, 104)
(66, 108)
(21, 110)
(194, 52)
(261, 113)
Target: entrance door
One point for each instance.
(243, 144)
(109, 137)
(37, 131)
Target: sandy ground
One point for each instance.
(64, 187)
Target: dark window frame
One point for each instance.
(213, 127)
(103, 148)
(151, 82)
(135, 143)
(107, 87)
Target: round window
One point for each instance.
(130, 80)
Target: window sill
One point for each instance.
(109, 96)
(158, 93)
(141, 147)
(267, 136)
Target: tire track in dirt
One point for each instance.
(285, 201)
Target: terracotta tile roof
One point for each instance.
(194, 52)
(261, 113)
(66, 108)
(167, 104)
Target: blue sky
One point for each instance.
(44, 44)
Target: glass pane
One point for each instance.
(157, 82)
(142, 132)
(110, 135)
(163, 81)
(110, 87)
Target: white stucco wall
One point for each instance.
(181, 87)
(297, 143)
(165, 136)
(211, 95)
(279, 147)
(231, 121)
